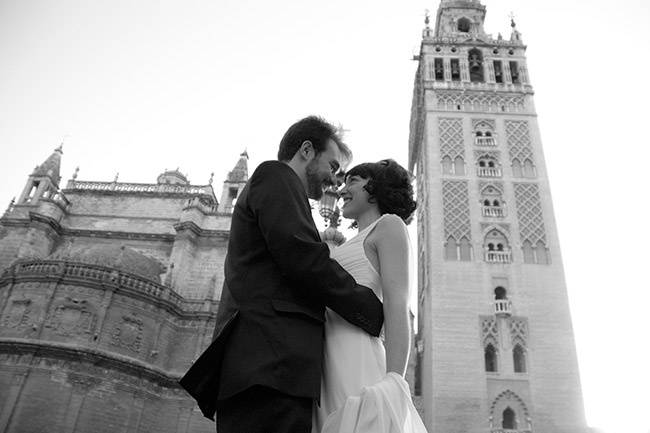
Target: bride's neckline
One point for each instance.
(371, 225)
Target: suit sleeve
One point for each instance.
(285, 221)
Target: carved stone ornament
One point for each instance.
(72, 317)
(19, 315)
(128, 334)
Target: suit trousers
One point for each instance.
(260, 409)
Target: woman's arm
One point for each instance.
(392, 246)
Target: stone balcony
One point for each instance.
(488, 172)
(498, 256)
(493, 211)
(485, 141)
(502, 307)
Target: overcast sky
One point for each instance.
(138, 86)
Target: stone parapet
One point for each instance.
(102, 277)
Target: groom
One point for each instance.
(262, 371)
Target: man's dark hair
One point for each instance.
(315, 129)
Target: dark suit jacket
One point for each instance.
(278, 279)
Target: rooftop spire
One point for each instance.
(240, 172)
(51, 167)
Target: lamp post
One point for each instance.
(329, 210)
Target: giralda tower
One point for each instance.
(496, 350)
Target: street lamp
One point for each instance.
(329, 210)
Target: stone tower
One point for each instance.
(495, 347)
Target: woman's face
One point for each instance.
(355, 197)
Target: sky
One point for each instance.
(136, 87)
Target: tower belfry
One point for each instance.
(234, 183)
(496, 349)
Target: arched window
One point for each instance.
(447, 165)
(490, 358)
(451, 249)
(488, 167)
(516, 168)
(464, 25)
(519, 358)
(529, 168)
(475, 59)
(496, 247)
(465, 249)
(529, 253)
(484, 134)
(459, 166)
(509, 421)
(541, 253)
(492, 202)
(500, 293)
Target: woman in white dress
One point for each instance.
(363, 388)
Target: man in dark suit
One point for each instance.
(262, 372)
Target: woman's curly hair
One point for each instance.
(389, 185)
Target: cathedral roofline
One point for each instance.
(151, 189)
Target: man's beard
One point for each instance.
(314, 182)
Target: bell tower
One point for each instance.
(234, 183)
(495, 344)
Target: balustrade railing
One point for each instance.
(493, 211)
(488, 172)
(140, 187)
(497, 256)
(98, 274)
(502, 307)
(485, 141)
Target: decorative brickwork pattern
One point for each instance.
(529, 213)
(489, 331)
(450, 100)
(493, 154)
(519, 331)
(518, 139)
(498, 186)
(451, 138)
(483, 124)
(455, 202)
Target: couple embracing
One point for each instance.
(308, 341)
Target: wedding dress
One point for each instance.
(357, 396)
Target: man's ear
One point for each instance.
(307, 151)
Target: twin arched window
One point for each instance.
(490, 354)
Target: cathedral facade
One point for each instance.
(108, 293)
(495, 347)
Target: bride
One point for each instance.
(363, 388)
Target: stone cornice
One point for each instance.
(84, 355)
(112, 234)
(106, 278)
(54, 224)
(198, 231)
